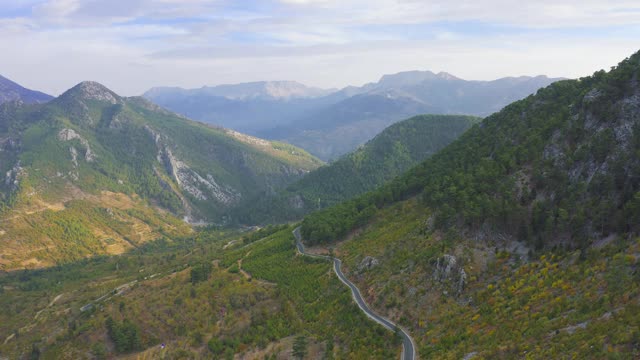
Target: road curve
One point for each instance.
(408, 346)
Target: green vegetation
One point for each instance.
(555, 303)
(559, 166)
(125, 335)
(300, 347)
(200, 272)
(302, 281)
(91, 167)
(518, 240)
(262, 233)
(389, 154)
(180, 292)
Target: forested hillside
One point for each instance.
(389, 154)
(519, 240)
(91, 172)
(559, 167)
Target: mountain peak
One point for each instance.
(281, 89)
(409, 78)
(91, 90)
(446, 76)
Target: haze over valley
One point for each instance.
(330, 123)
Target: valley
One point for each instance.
(232, 213)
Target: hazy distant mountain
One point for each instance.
(331, 125)
(249, 107)
(339, 128)
(445, 93)
(282, 90)
(11, 91)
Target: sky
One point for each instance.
(133, 45)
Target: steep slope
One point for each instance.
(384, 157)
(91, 172)
(10, 91)
(563, 163)
(520, 239)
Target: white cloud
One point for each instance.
(131, 45)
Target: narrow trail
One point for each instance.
(408, 346)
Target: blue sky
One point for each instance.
(132, 45)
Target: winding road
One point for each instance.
(408, 346)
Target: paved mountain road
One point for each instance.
(408, 347)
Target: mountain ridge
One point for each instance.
(390, 153)
(11, 91)
(119, 172)
(523, 232)
(521, 170)
(277, 90)
(332, 125)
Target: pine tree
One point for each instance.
(300, 347)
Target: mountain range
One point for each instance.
(557, 167)
(523, 232)
(514, 236)
(10, 91)
(338, 122)
(91, 172)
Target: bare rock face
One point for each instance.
(296, 202)
(10, 144)
(92, 90)
(202, 188)
(368, 263)
(592, 95)
(251, 140)
(448, 272)
(70, 134)
(12, 177)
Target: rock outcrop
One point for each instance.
(368, 263)
(91, 90)
(449, 273)
(70, 134)
(202, 188)
(12, 177)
